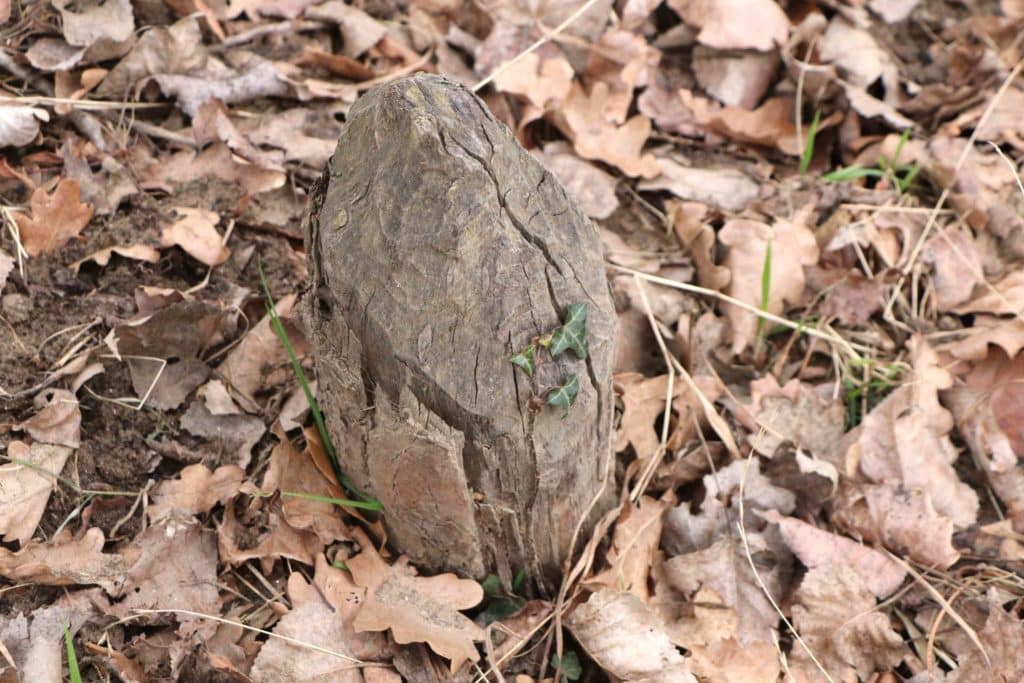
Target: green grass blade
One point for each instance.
(812, 134)
(852, 173)
(74, 673)
(314, 407)
(340, 502)
(766, 288)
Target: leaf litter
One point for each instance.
(159, 467)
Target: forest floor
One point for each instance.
(814, 229)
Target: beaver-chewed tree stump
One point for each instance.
(437, 249)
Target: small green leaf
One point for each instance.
(572, 334)
(492, 586)
(564, 396)
(74, 673)
(525, 360)
(812, 133)
(570, 662)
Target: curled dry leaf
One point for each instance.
(543, 83)
(55, 218)
(1003, 659)
(957, 267)
(819, 548)
(139, 252)
(736, 79)
(175, 49)
(195, 491)
(359, 31)
(748, 242)
(237, 433)
(216, 160)
(19, 125)
(26, 479)
(592, 188)
(835, 614)
(417, 609)
(254, 79)
(194, 232)
(626, 639)
(279, 540)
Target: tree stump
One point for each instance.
(437, 249)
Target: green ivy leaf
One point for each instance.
(525, 360)
(571, 668)
(564, 396)
(572, 334)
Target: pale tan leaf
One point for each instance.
(138, 252)
(735, 24)
(194, 232)
(634, 542)
(59, 421)
(725, 188)
(66, 561)
(417, 609)
(594, 137)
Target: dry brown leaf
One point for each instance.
(35, 641)
(626, 639)
(359, 31)
(727, 661)
(59, 420)
(195, 232)
(699, 239)
(643, 401)
(253, 79)
(259, 361)
(594, 137)
(624, 61)
(770, 125)
(723, 568)
(294, 472)
(217, 399)
(237, 433)
(957, 266)
(903, 521)
(297, 132)
(985, 331)
(542, 83)
(66, 561)
(25, 486)
(195, 491)
(417, 609)
(735, 24)
(1001, 637)
(988, 404)
(212, 123)
(85, 23)
(175, 49)
(279, 541)
(686, 531)
(592, 188)
(834, 612)
(736, 79)
(819, 548)
(793, 247)
(854, 299)
(634, 542)
(55, 218)
(725, 188)
(139, 252)
(905, 439)
(175, 566)
(215, 160)
(1004, 297)
(795, 413)
(856, 54)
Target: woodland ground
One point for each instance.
(836, 183)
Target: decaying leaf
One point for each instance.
(196, 490)
(139, 252)
(66, 561)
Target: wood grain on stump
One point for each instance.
(437, 249)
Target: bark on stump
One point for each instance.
(437, 249)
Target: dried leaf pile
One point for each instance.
(814, 228)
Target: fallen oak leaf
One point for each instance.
(417, 609)
(55, 218)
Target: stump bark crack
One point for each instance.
(426, 276)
